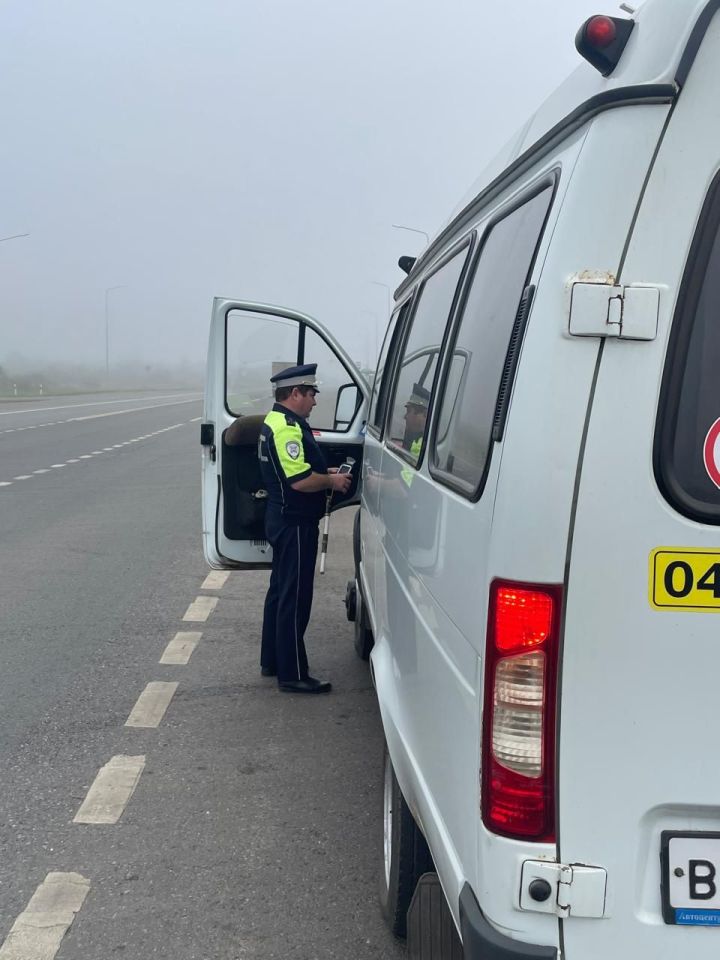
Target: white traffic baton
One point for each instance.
(326, 531)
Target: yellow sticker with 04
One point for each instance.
(685, 578)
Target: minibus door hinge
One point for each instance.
(602, 308)
(564, 890)
(207, 438)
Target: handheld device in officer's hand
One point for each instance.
(342, 470)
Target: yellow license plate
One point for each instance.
(685, 579)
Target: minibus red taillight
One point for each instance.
(519, 717)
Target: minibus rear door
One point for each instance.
(639, 785)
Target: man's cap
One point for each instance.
(301, 376)
(420, 396)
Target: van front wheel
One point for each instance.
(406, 856)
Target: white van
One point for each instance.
(537, 568)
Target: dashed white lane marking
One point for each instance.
(38, 931)
(152, 704)
(111, 791)
(200, 609)
(180, 648)
(23, 476)
(215, 580)
(98, 453)
(97, 416)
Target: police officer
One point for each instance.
(416, 411)
(297, 480)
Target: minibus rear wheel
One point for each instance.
(406, 856)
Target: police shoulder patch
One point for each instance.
(293, 449)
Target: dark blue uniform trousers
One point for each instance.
(289, 599)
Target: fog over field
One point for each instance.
(158, 154)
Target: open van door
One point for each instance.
(249, 342)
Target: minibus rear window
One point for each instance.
(687, 441)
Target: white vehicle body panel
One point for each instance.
(569, 500)
(640, 684)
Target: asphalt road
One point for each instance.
(254, 828)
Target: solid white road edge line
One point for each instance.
(95, 403)
(38, 931)
(180, 648)
(152, 704)
(111, 791)
(200, 609)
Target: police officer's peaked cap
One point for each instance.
(302, 376)
(420, 396)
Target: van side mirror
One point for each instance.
(348, 400)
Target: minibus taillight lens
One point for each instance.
(518, 756)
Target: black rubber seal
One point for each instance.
(693, 44)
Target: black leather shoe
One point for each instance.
(267, 672)
(308, 685)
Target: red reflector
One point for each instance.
(523, 618)
(600, 31)
(518, 806)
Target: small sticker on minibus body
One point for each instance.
(711, 453)
(685, 578)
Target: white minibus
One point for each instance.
(537, 548)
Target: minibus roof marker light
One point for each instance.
(601, 41)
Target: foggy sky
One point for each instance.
(258, 151)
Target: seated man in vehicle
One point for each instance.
(416, 411)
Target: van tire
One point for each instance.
(406, 856)
(364, 639)
(356, 544)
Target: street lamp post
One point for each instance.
(15, 236)
(119, 286)
(400, 226)
(378, 283)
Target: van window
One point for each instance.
(419, 359)
(479, 350)
(381, 383)
(259, 346)
(687, 444)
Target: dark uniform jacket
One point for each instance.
(288, 452)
